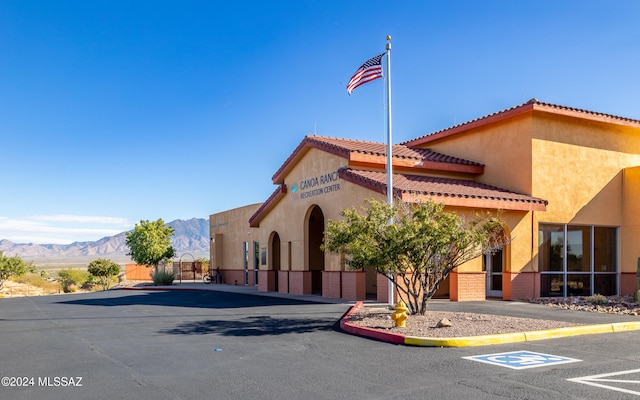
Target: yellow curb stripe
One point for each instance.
(569, 331)
(626, 326)
(522, 336)
(466, 341)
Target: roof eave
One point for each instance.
(267, 206)
(530, 106)
(476, 202)
(305, 145)
(407, 164)
(452, 200)
(527, 107)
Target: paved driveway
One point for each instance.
(218, 345)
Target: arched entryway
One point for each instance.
(315, 256)
(274, 254)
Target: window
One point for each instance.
(577, 260)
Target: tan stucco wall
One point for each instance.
(582, 184)
(229, 230)
(575, 164)
(503, 147)
(578, 168)
(630, 231)
(523, 241)
(288, 217)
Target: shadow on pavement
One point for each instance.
(253, 326)
(234, 325)
(182, 298)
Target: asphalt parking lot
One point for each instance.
(195, 344)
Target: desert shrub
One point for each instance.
(72, 278)
(598, 299)
(36, 280)
(163, 278)
(204, 264)
(91, 282)
(31, 280)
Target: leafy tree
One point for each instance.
(150, 243)
(419, 249)
(71, 277)
(13, 266)
(104, 270)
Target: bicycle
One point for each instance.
(215, 278)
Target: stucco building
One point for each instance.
(566, 180)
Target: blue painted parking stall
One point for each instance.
(521, 359)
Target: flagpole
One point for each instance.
(390, 293)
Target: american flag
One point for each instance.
(369, 71)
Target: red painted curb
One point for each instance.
(368, 332)
(156, 288)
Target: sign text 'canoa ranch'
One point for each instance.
(325, 183)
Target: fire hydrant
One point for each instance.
(400, 314)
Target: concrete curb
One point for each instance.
(482, 340)
(368, 332)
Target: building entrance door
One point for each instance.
(246, 262)
(494, 264)
(256, 262)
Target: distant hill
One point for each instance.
(191, 236)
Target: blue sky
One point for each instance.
(116, 111)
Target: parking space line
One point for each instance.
(595, 380)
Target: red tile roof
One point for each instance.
(347, 148)
(453, 192)
(412, 187)
(533, 104)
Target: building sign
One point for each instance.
(316, 186)
(219, 222)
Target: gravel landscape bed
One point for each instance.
(471, 324)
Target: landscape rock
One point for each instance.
(621, 305)
(444, 323)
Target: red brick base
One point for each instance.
(283, 281)
(266, 281)
(467, 286)
(354, 285)
(331, 286)
(300, 282)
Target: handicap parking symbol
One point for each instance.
(522, 359)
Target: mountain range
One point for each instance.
(191, 238)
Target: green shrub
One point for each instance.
(598, 299)
(163, 278)
(72, 278)
(104, 270)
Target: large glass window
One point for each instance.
(551, 244)
(577, 260)
(578, 248)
